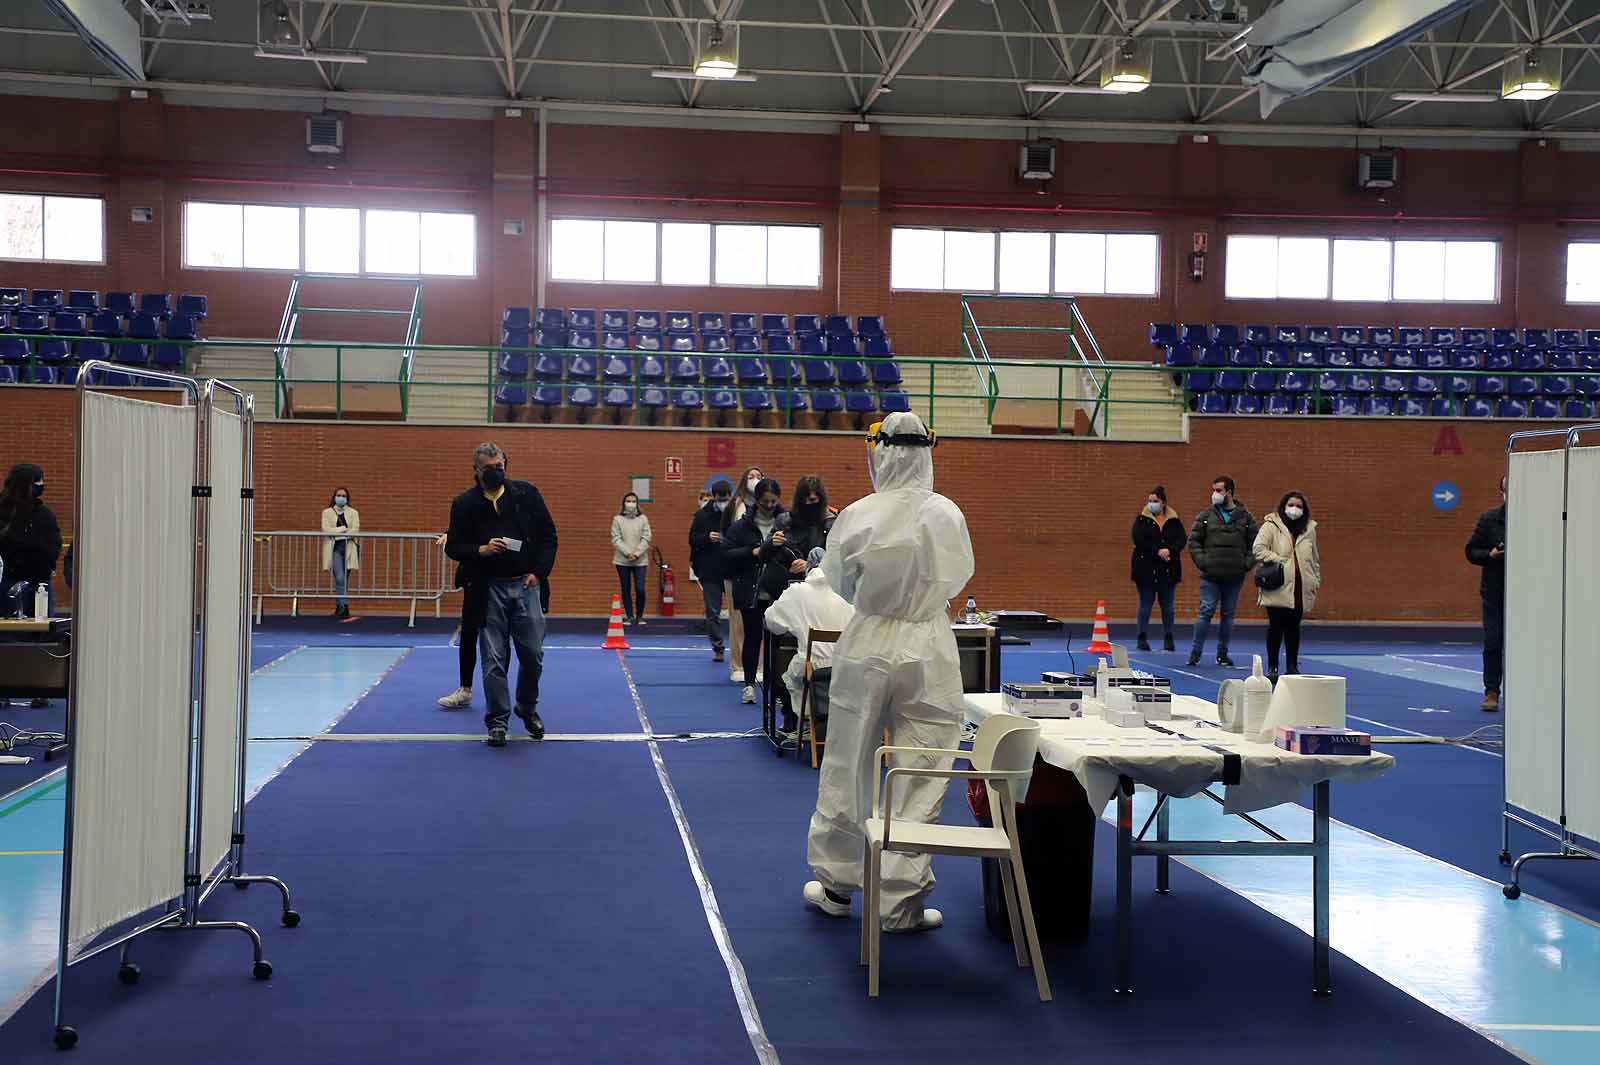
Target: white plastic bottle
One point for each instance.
(1257, 699)
(972, 611)
(41, 602)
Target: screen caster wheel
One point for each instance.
(291, 918)
(262, 970)
(1511, 891)
(66, 1038)
(1505, 857)
(128, 973)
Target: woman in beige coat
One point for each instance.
(340, 551)
(1288, 537)
(630, 553)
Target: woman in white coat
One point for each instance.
(340, 551)
(630, 553)
(1288, 537)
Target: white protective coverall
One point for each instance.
(898, 555)
(808, 605)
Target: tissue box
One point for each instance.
(1154, 703)
(1124, 718)
(1071, 680)
(1315, 739)
(1043, 700)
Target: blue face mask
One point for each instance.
(340, 501)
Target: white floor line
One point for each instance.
(1413, 659)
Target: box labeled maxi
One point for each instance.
(1316, 739)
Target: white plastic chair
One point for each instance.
(1002, 757)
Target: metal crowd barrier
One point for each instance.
(288, 565)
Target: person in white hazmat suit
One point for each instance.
(809, 604)
(898, 555)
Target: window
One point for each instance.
(64, 229)
(685, 253)
(328, 240)
(1583, 273)
(1366, 270)
(1025, 263)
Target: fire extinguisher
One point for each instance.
(669, 585)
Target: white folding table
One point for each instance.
(1183, 757)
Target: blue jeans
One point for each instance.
(632, 578)
(1213, 593)
(340, 571)
(1148, 594)
(513, 618)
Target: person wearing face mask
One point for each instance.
(1487, 548)
(744, 492)
(502, 534)
(806, 605)
(30, 538)
(705, 558)
(1288, 537)
(340, 551)
(898, 556)
(751, 542)
(805, 527)
(1221, 543)
(1158, 539)
(630, 553)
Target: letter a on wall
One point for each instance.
(1448, 442)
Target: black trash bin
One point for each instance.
(1055, 829)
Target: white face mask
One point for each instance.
(750, 484)
(340, 501)
(630, 508)
(1217, 498)
(1154, 506)
(720, 502)
(1293, 513)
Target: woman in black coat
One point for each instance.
(1158, 539)
(30, 539)
(750, 544)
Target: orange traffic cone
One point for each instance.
(1101, 643)
(614, 638)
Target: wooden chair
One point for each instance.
(1002, 757)
(814, 637)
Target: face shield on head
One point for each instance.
(899, 453)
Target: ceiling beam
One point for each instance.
(908, 46)
(838, 53)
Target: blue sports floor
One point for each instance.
(630, 891)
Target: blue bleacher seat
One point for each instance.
(1478, 408)
(1392, 384)
(1351, 336)
(8, 374)
(1261, 381)
(877, 348)
(167, 356)
(1466, 359)
(787, 372)
(1578, 409)
(1499, 359)
(1246, 403)
(106, 324)
(1530, 360)
(718, 370)
(155, 304)
(29, 321)
(1230, 381)
(1319, 334)
(1344, 405)
(1371, 358)
(194, 304)
(1411, 407)
(1568, 338)
(38, 375)
(652, 398)
(837, 325)
(1557, 385)
(1333, 383)
(1590, 360)
(860, 401)
(679, 321)
(1294, 383)
(1561, 361)
(1460, 386)
(1377, 406)
(516, 338)
(688, 399)
(1545, 408)
(1195, 334)
(1523, 385)
(577, 339)
(1247, 355)
(582, 368)
(582, 395)
(1589, 385)
(615, 319)
(827, 400)
(746, 344)
(756, 399)
(544, 337)
(742, 323)
(646, 340)
(123, 303)
(1258, 334)
(716, 343)
(1228, 335)
(810, 344)
(649, 321)
(893, 401)
(617, 397)
(1591, 339)
(182, 327)
(546, 394)
(852, 373)
(1286, 334)
(1277, 355)
(46, 299)
(131, 354)
(1277, 404)
(617, 368)
(547, 366)
(683, 368)
(1214, 355)
(12, 298)
(869, 325)
(818, 372)
(1474, 337)
(808, 323)
(711, 322)
(1444, 336)
(1382, 336)
(749, 371)
(1502, 338)
(774, 323)
(581, 318)
(511, 394)
(84, 350)
(615, 340)
(1491, 386)
(682, 342)
(1179, 355)
(722, 399)
(1535, 338)
(1213, 403)
(67, 323)
(52, 350)
(1338, 357)
(1424, 385)
(1441, 407)
(842, 347)
(514, 318)
(84, 300)
(1513, 408)
(1436, 358)
(1411, 336)
(1198, 381)
(789, 400)
(1309, 358)
(1360, 383)
(885, 373)
(652, 368)
(781, 344)
(550, 318)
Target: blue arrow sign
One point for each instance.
(1445, 495)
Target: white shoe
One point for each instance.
(736, 676)
(749, 694)
(931, 919)
(761, 676)
(815, 895)
(457, 699)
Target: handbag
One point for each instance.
(1269, 576)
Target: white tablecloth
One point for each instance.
(1184, 764)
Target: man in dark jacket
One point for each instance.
(1222, 547)
(705, 558)
(502, 534)
(1487, 548)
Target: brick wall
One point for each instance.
(1049, 519)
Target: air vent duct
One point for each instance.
(1378, 170)
(325, 134)
(1038, 161)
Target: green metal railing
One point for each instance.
(1074, 326)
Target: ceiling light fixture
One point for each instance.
(695, 75)
(309, 55)
(1126, 67)
(1445, 97)
(1067, 88)
(1531, 75)
(281, 31)
(717, 57)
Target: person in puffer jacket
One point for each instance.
(1288, 537)
(1221, 546)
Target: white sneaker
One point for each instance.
(736, 676)
(457, 699)
(749, 694)
(931, 919)
(815, 895)
(761, 676)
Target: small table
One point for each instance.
(1183, 757)
(36, 661)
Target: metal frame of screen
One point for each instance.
(180, 912)
(1569, 845)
